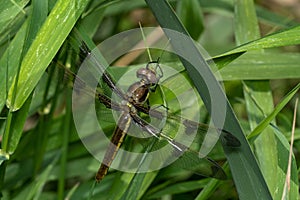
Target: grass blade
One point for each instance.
(257, 93)
(245, 171)
(12, 136)
(262, 66)
(263, 124)
(283, 38)
(11, 13)
(287, 184)
(46, 44)
(14, 50)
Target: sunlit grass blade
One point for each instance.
(16, 120)
(3, 156)
(14, 51)
(46, 44)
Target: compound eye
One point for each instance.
(147, 75)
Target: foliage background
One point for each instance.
(42, 156)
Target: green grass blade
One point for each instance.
(16, 120)
(11, 12)
(65, 141)
(211, 186)
(190, 14)
(46, 44)
(262, 66)
(179, 188)
(16, 128)
(249, 21)
(37, 18)
(140, 183)
(265, 146)
(245, 171)
(256, 66)
(283, 38)
(14, 51)
(264, 15)
(272, 18)
(225, 60)
(259, 102)
(283, 155)
(12, 135)
(266, 122)
(34, 190)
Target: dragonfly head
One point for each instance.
(151, 74)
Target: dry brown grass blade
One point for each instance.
(288, 173)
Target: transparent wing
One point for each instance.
(170, 145)
(172, 140)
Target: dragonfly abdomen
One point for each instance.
(113, 147)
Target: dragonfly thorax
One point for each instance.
(138, 92)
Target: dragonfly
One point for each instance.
(132, 108)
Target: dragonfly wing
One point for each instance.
(182, 99)
(173, 148)
(229, 139)
(191, 132)
(178, 155)
(201, 166)
(191, 126)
